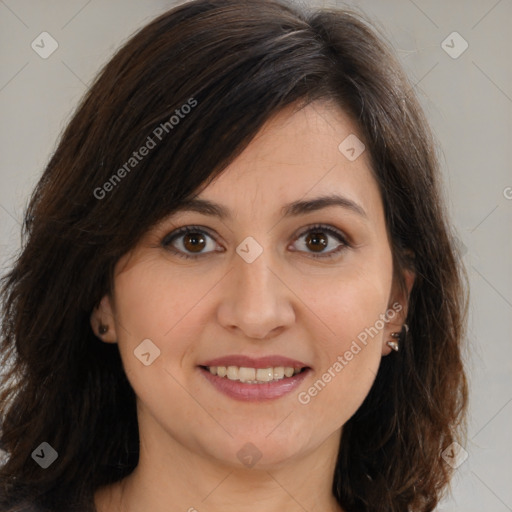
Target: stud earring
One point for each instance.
(394, 343)
(103, 329)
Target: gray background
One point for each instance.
(468, 101)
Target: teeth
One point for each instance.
(288, 372)
(232, 373)
(278, 372)
(253, 375)
(265, 374)
(244, 374)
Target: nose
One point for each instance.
(257, 302)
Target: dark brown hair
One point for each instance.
(235, 63)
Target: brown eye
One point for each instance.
(317, 241)
(322, 242)
(194, 242)
(189, 242)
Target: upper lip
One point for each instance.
(255, 362)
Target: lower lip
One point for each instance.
(255, 392)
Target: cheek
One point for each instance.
(349, 353)
(156, 302)
(153, 299)
(350, 300)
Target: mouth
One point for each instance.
(249, 375)
(248, 379)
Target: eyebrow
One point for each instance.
(293, 209)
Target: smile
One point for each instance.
(254, 375)
(246, 378)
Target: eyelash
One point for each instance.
(168, 239)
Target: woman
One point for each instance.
(238, 287)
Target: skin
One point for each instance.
(286, 303)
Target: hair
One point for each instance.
(236, 63)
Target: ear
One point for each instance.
(397, 311)
(102, 321)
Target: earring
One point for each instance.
(394, 344)
(103, 329)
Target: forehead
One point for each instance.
(294, 158)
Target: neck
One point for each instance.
(178, 479)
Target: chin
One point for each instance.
(260, 448)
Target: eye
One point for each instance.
(188, 242)
(318, 240)
(191, 241)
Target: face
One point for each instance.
(281, 284)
